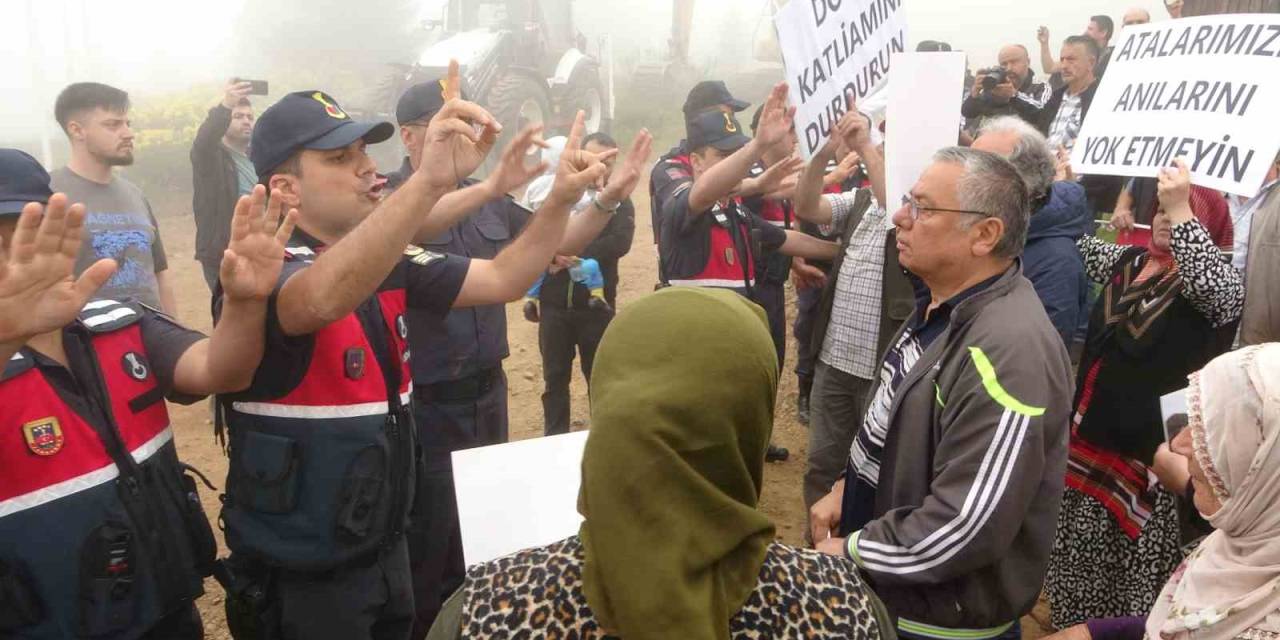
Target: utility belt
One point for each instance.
(468, 389)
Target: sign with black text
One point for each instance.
(835, 50)
(1206, 89)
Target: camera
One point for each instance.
(992, 77)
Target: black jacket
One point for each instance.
(608, 247)
(1051, 107)
(1027, 104)
(213, 179)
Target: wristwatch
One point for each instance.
(609, 210)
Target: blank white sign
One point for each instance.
(518, 495)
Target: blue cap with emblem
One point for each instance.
(422, 101)
(22, 180)
(307, 120)
(715, 129)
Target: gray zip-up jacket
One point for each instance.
(972, 471)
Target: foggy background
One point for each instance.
(174, 56)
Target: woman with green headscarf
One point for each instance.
(673, 544)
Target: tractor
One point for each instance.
(523, 60)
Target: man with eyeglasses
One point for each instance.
(953, 482)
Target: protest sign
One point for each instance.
(923, 116)
(517, 495)
(834, 50)
(1205, 89)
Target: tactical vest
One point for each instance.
(322, 477)
(101, 532)
(730, 263)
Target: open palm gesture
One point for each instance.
(38, 292)
(251, 264)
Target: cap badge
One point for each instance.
(729, 126)
(331, 109)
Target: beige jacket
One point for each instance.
(1261, 320)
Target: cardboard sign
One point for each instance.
(923, 117)
(1205, 89)
(833, 50)
(518, 495)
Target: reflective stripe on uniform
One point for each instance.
(82, 482)
(712, 282)
(273, 410)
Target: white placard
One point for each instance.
(923, 116)
(835, 49)
(1173, 413)
(1206, 89)
(518, 495)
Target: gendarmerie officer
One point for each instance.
(708, 238)
(323, 444)
(460, 389)
(673, 172)
(101, 531)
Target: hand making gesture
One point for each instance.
(578, 169)
(38, 292)
(776, 119)
(512, 171)
(252, 261)
(453, 149)
(625, 178)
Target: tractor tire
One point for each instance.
(516, 101)
(586, 92)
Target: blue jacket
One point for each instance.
(1051, 261)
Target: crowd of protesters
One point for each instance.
(981, 370)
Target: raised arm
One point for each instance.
(38, 293)
(855, 128)
(509, 275)
(721, 180)
(351, 270)
(1048, 63)
(1210, 283)
(809, 203)
(225, 362)
(510, 174)
(584, 227)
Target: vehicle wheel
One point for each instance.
(517, 101)
(586, 92)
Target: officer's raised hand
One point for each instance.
(453, 149)
(38, 292)
(578, 169)
(625, 178)
(252, 261)
(777, 119)
(512, 172)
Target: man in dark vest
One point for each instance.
(324, 451)
(101, 530)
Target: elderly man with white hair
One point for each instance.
(1060, 216)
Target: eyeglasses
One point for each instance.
(914, 209)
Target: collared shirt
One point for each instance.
(922, 330)
(850, 343)
(1241, 220)
(1066, 122)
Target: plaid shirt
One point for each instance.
(1066, 122)
(850, 343)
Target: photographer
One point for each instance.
(1008, 89)
(221, 173)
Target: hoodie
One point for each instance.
(1051, 261)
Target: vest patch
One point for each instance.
(353, 363)
(135, 366)
(43, 436)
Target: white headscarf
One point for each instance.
(1231, 583)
